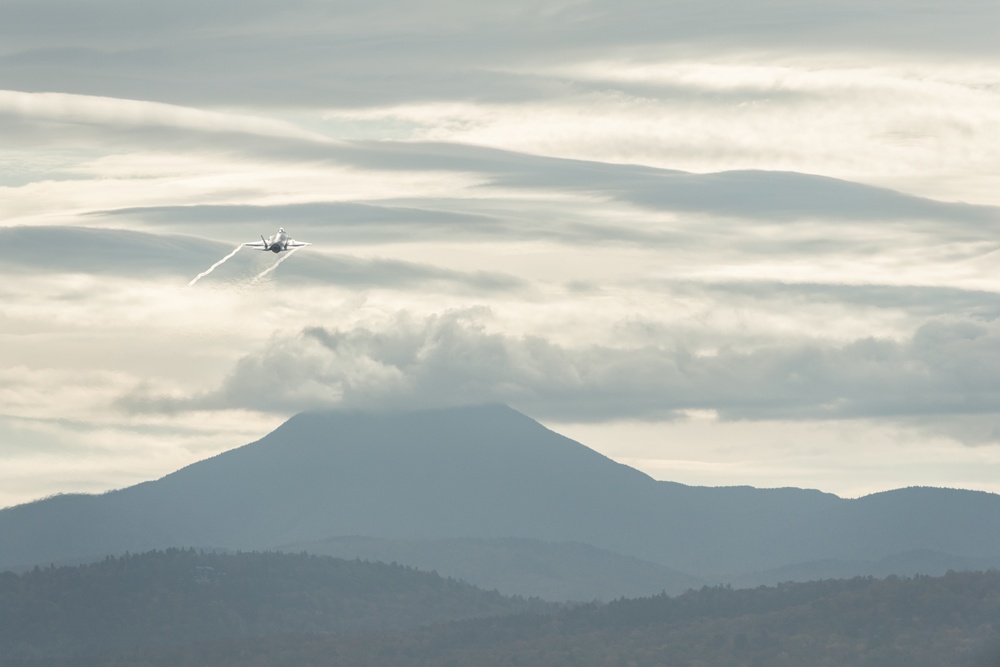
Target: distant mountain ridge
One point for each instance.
(565, 571)
(481, 473)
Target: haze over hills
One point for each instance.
(565, 571)
(480, 473)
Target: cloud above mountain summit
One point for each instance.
(454, 359)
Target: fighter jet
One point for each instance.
(277, 243)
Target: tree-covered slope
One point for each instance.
(921, 622)
(182, 596)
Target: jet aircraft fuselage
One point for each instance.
(276, 242)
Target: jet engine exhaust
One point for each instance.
(215, 266)
(268, 270)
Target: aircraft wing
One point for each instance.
(295, 244)
(259, 245)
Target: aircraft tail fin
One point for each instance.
(266, 247)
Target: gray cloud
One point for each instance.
(271, 54)
(103, 251)
(310, 52)
(426, 220)
(925, 302)
(761, 197)
(336, 221)
(771, 195)
(354, 272)
(946, 368)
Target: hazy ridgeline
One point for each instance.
(166, 609)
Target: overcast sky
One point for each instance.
(724, 242)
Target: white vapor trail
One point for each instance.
(215, 266)
(275, 265)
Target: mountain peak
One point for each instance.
(481, 472)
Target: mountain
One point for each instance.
(481, 473)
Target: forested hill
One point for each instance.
(181, 596)
(952, 620)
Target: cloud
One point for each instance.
(269, 53)
(771, 195)
(945, 368)
(922, 302)
(337, 221)
(871, 118)
(301, 165)
(774, 196)
(29, 392)
(135, 254)
(760, 195)
(700, 87)
(61, 249)
(88, 109)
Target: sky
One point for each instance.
(725, 242)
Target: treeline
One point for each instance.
(178, 597)
(173, 608)
(921, 622)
